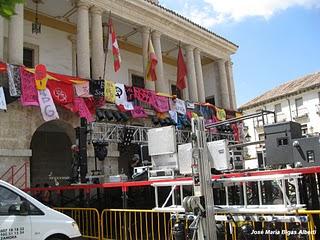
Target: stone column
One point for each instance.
(192, 83)
(73, 41)
(232, 91)
(97, 54)
(15, 38)
(83, 44)
(1, 38)
(224, 92)
(201, 92)
(145, 35)
(161, 84)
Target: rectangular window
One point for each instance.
(211, 100)
(299, 104)
(28, 57)
(304, 129)
(176, 91)
(261, 137)
(277, 108)
(137, 81)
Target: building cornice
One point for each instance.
(143, 13)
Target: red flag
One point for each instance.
(181, 71)
(114, 47)
(152, 63)
(62, 93)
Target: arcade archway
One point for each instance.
(51, 152)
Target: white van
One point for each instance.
(24, 218)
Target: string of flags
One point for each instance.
(44, 89)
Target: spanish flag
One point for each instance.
(152, 63)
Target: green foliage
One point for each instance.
(7, 7)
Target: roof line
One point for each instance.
(188, 20)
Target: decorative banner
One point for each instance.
(128, 106)
(48, 109)
(230, 114)
(130, 93)
(161, 104)
(174, 116)
(14, 80)
(3, 67)
(221, 114)
(41, 77)
(144, 95)
(172, 104)
(190, 105)
(61, 92)
(114, 47)
(110, 91)
(83, 89)
(235, 130)
(238, 114)
(181, 106)
(82, 109)
(3, 104)
(138, 112)
(29, 93)
(121, 95)
(96, 88)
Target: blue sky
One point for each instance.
(279, 40)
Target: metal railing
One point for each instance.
(125, 224)
(88, 220)
(17, 177)
(135, 224)
(8, 175)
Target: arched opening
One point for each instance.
(51, 152)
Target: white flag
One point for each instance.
(3, 104)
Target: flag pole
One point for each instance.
(106, 48)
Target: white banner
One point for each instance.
(121, 95)
(3, 104)
(48, 109)
(181, 106)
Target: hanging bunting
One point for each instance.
(221, 114)
(114, 47)
(181, 106)
(14, 80)
(96, 88)
(161, 104)
(130, 93)
(121, 95)
(3, 104)
(110, 91)
(82, 109)
(48, 109)
(29, 93)
(41, 77)
(82, 89)
(144, 95)
(172, 104)
(61, 92)
(174, 116)
(138, 112)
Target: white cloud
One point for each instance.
(212, 12)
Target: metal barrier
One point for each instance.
(131, 224)
(135, 225)
(88, 220)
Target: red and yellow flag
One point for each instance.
(152, 63)
(114, 47)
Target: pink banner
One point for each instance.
(29, 94)
(161, 104)
(138, 112)
(82, 109)
(144, 95)
(82, 89)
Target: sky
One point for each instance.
(279, 40)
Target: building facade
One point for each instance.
(297, 100)
(72, 41)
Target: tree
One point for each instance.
(7, 7)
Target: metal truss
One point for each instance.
(115, 133)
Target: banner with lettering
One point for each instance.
(110, 91)
(180, 106)
(161, 104)
(48, 109)
(14, 80)
(82, 109)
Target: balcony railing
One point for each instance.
(300, 114)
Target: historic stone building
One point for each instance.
(72, 42)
